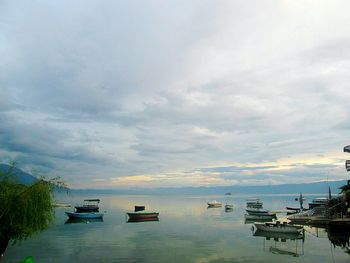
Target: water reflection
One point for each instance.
(139, 220)
(290, 244)
(81, 220)
(340, 237)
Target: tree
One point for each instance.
(25, 209)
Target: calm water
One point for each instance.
(186, 232)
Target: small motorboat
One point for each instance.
(90, 205)
(278, 227)
(91, 215)
(259, 211)
(228, 207)
(214, 203)
(254, 203)
(253, 218)
(143, 216)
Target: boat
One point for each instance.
(259, 212)
(254, 218)
(254, 203)
(89, 215)
(214, 203)
(317, 202)
(278, 227)
(228, 194)
(90, 205)
(305, 216)
(142, 215)
(228, 207)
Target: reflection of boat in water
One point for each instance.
(84, 215)
(81, 220)
(214, 203)
(275, 250)
(138, 220)
(278, 235)
(282, 243)
(278, 227)
(340, 237)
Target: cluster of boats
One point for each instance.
(89, 210)
(216, 204)
(256, 213)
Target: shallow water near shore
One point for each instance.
(187, 231)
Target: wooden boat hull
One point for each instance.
(214, 204)
(84, 215)
(259, 217)
(260, 212)
(143, 216)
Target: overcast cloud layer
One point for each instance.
(175, 93)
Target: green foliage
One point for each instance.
(25, 210)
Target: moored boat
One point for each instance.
(278, 227)
(90, 205)
(253, 218)
(143, 215)
(214, 203)
(228, 207)
(90, 215)
(254, 203)
(317, 202)
(259, 212)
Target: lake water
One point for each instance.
(187, 231)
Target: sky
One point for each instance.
(115, 94)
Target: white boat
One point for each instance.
(278, 227)
(214, 203)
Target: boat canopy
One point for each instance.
(347, 149)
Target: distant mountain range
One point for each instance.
(21, 176)
(309, 188)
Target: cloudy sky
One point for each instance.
(175, 93)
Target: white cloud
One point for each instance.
(97, 90)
